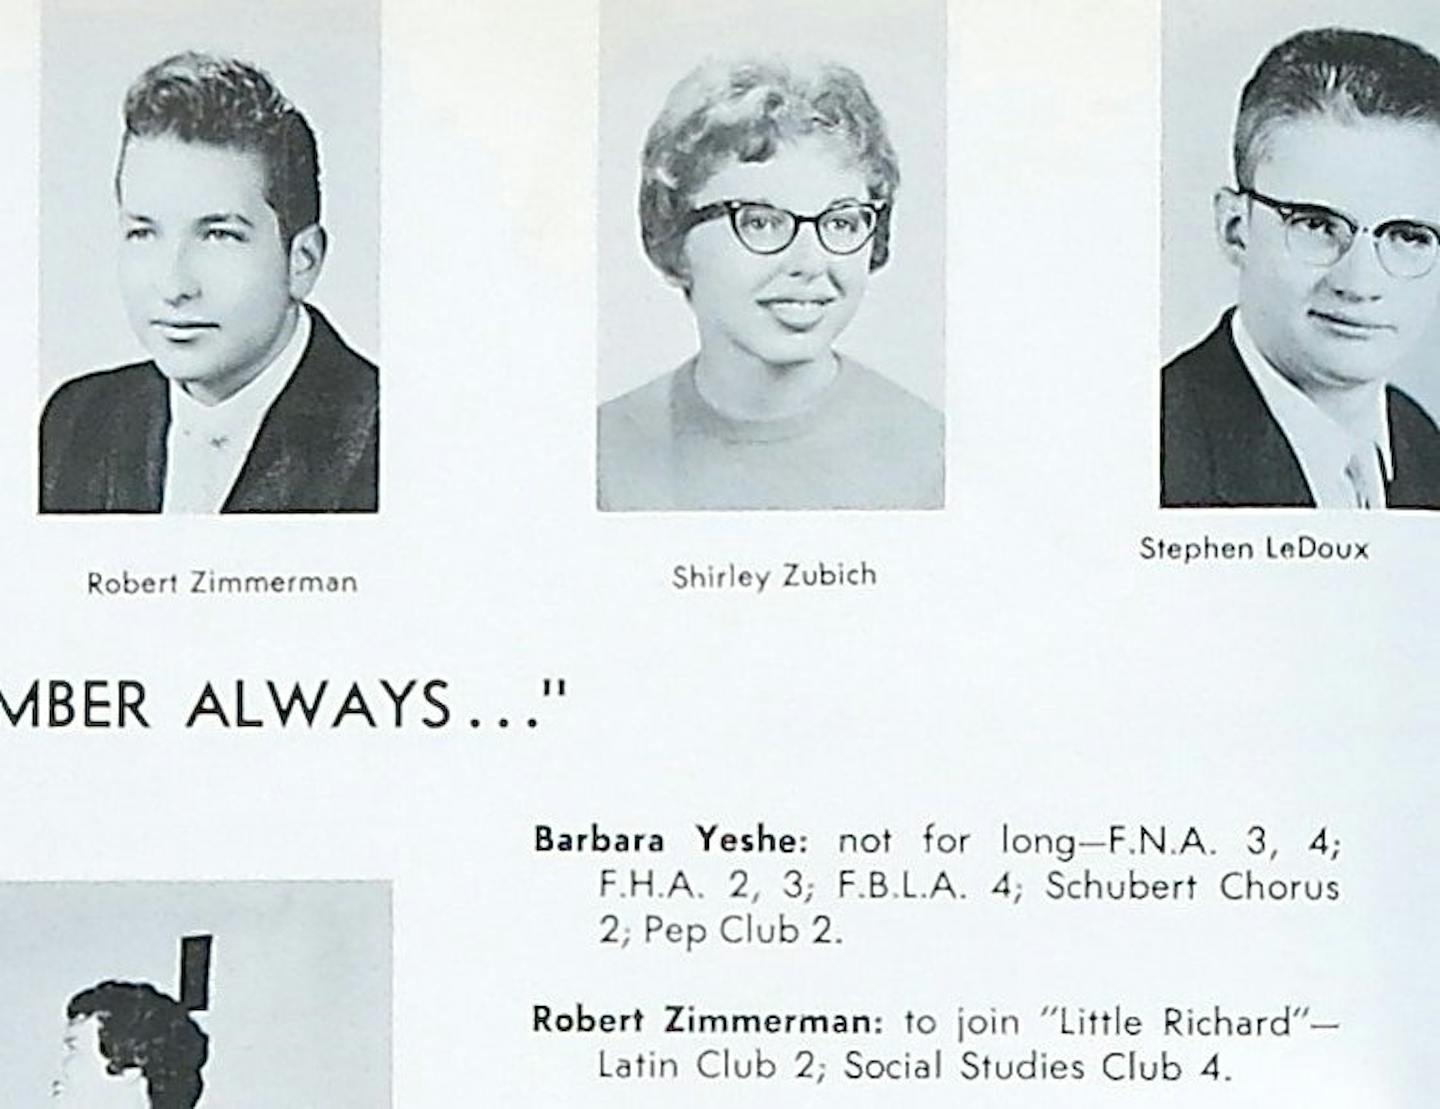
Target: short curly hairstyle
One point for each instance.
(1334, 72)
(746, 109)
(202, 98)
(141, 1027)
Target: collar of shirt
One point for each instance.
(1322, 446)
(207, 445)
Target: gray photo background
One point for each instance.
(645, 327)
(300, 981)
(325, 57)
(1209, 51)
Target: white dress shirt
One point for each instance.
(1343, 467)
(208, 443)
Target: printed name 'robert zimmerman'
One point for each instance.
(211, 583)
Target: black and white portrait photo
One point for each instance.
(772, 268)
(1301, 283)
(197, 183)
(178, 995)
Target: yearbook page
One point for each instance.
(616, 553)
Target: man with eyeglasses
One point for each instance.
(1334, 228)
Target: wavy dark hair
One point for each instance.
(141, 1027)
(202, 98)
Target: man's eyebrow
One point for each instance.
(1316, 206)
(135, 217)
(225, 217)
(1288, 202)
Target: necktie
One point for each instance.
(1364, 473)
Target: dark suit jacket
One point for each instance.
(1221, 448)
(102, 439)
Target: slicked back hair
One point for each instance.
(202, 98)
(1345, 75)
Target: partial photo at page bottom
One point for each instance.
(183, 994)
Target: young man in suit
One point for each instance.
(251, 401)
(1334, 229)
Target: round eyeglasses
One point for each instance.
(766, 229)
(1321, 236)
